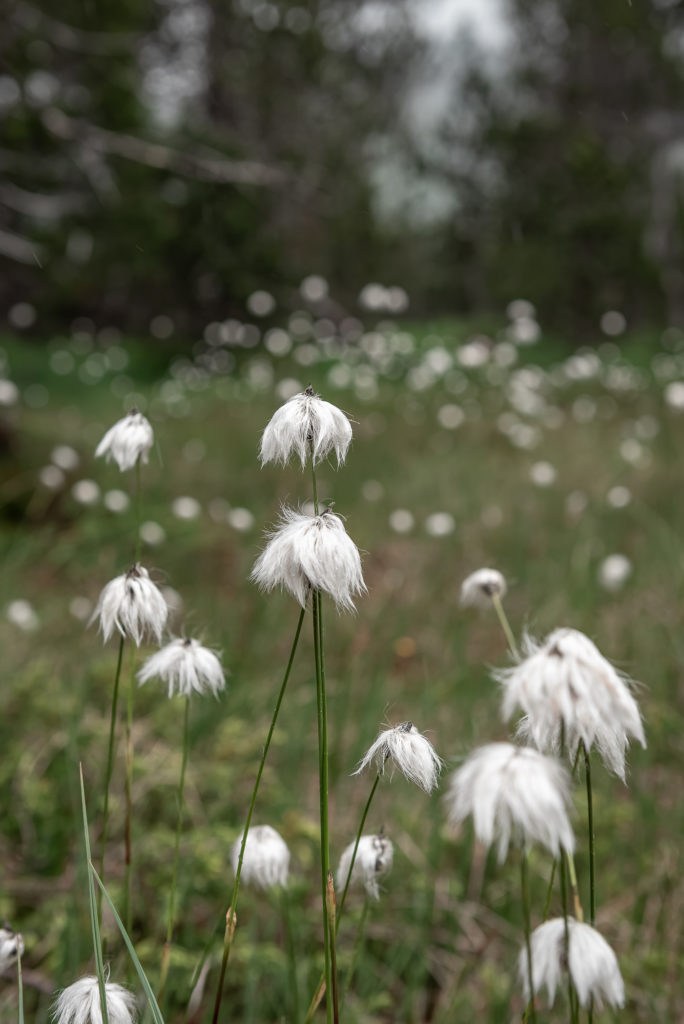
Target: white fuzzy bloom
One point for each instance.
(478, 589)
(565, 684)
(592, 963)
(133, 605)
(266, 860)
(186, 667)
(409, 751)
(11, 945)
(373, 860)
(306, 425)
(513, 793)
(127, 441)
(80, 1003)
(311, 553)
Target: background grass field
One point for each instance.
(443, 940)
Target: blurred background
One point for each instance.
(162, 161)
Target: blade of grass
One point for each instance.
(94, 919)
(154, 1007)
(20, 984)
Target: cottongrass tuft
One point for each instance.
(593, 966)
(127, 441)
(478, 589)
(266, 860)
(566, 685)
(374, 858)
(307, 553)
(306, 425)
(80, 1003)
(133, 605)
(513, 793)
(186, 667)
(409, 751)
(11, 945)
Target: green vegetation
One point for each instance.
(442, 942)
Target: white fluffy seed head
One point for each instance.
(307, 553)
(11, 945)
(593, 966)
(127, 441)
(565, 685)
(478, 589)
(374, 858)
(513, 794)
(306, 426)
(80, 1003)
(408, 750)
(132, 605)
(266, 859)
(186, 667)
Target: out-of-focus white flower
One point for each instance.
(20, 613)
(614, 571)
(512, 793)
(80, 1003)
(593, 966)
(409, 751)
(127, 441)
(186, 667)
(478, 589)
(306, 425)
(11, 945)
(266, 859)
(133, 605)
(373, 860)
(311, 553)
(565, 684)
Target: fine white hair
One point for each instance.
(133, 605)
(565, 686)
(409, 751)
(80, 1003)
(266, 859)
(512, 793)
(307, 553)
(478, 589)
(593, 966)
(186, 667)
(374, 858)
(306, 426)
(127, 441)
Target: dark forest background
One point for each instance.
(170, 158)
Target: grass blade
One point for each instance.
(154, 1006)
(94, 918)
(20, 985)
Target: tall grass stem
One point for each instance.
(138, 510)
(230, 916)
(94, 918)
(110, 765)
(592, 840)
(506, 626)
(525, 892)
(20, 986)
(128, 906)
(322, 719)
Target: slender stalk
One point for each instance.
(505, 625)
(230, 916)
(358, 946)
(128, 906)
(592, 841)
(332, 928)
(166, 953)
(110, 765)
(524, 888)
(549, 891)
(574, 888)
(291, 955)
(20, 986)
(321, 707)
(564, 902)
(320, 989)
(138, 509)
(94, 918)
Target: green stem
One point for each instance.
(166, 954)
(358, 946)
(322, 718)
(20, 985)
(291, 955)
(318, 995)
(138, 509)
(315, 488)
(110, 765)
(592, 847)
(128, 906)
(506, 626)
(547, 904)
(564, 902)
(230, 916)
(524, 888)
(579, 913)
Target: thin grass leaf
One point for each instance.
(20, 985)
(154, 1006)
(94, 919)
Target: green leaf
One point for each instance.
(94, 921)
